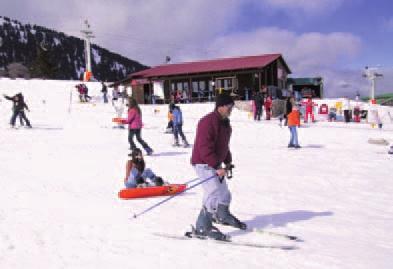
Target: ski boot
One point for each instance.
(158, 181)
(149, 151)
(205, 229)
(185, 144)
(224, 216)
(176, 144)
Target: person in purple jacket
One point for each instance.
(210, 151)
(134, 121)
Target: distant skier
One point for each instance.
(332, 116)
(86, 92)
(104, 91)
(356, 109)
(178, 125)
(293, 123)
(211, 149)
(137, 175)
(258, 103)
(268, 107)
(309, 109)
(80, 90)
(347, 110)
(134, 122)
(18, 109)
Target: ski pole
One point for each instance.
(171, 197)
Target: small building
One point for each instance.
(202, 80)
(306, 87)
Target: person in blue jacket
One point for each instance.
(178, 125)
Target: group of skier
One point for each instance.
(83, 92)
(211, 159)
(261, 99)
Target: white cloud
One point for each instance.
(309, 54)
(304, 52)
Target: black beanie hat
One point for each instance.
(224, 99)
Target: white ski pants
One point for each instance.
(214, 191)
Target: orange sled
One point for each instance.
(170, 189)
(118, 120)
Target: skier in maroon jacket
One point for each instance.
(211, 150)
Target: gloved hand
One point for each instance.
(228, 168)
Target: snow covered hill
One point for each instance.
(52, 54)
(59, 184)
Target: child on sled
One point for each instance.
(137, 175)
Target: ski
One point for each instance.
(287, 236)
(226, 242)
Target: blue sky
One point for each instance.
(330, 38)
(372, 21)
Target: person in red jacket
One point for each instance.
(309, 109)
(268, 107)
(210, 151)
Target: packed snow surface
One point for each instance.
(59, 183)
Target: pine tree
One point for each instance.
(43, 66)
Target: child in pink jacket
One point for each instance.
(134, 121)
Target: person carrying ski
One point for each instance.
(134, 122)
(211, 149)
(137, 175)
(293, 123)
(18, 109)
(178, 125)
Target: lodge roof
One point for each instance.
(206, 66)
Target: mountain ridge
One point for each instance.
(54, 55)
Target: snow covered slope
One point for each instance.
(59, 184)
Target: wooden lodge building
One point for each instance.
(202, 80)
